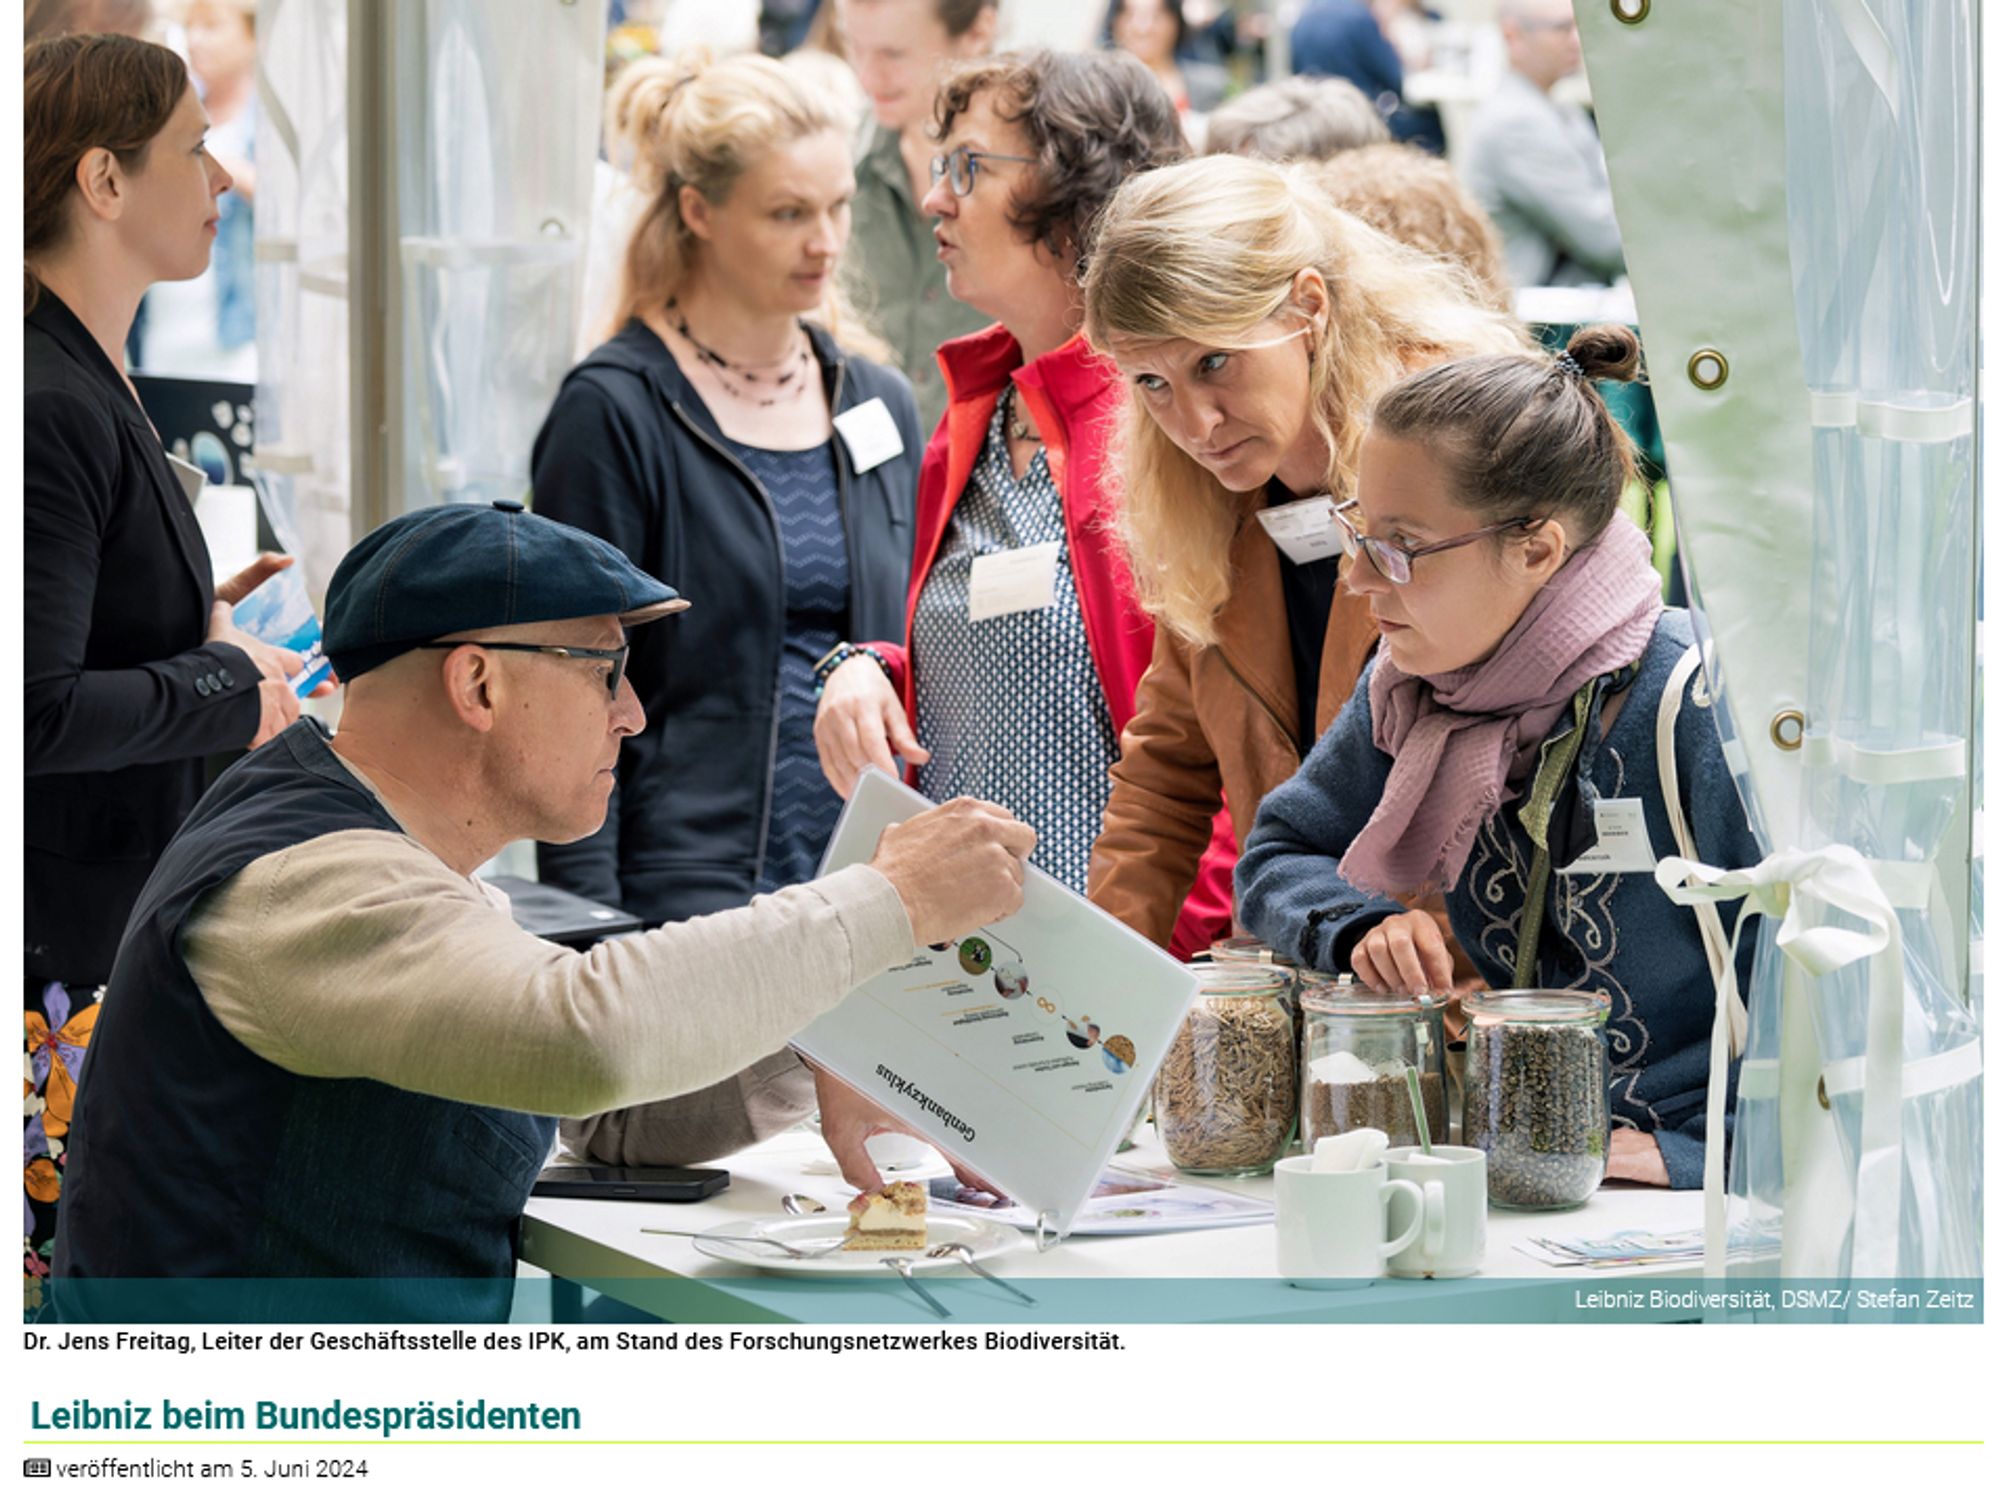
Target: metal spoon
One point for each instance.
(906, 1268)
(963, 1253)
(801, 1204)
(791, 1249)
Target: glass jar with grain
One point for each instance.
(1536, 1095)
(1358, 1046)
(1227, 1093)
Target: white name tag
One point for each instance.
(1306, 530)
(193, 477)
(870, 434)
(1622, 841)
(1024, 579)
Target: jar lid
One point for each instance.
(1343, 998)
(1245, 949)
(1242, 980)
(1538, 1007)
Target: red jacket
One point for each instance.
(1075, 398)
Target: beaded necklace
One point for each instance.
(786, 380)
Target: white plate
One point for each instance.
(985, 1238)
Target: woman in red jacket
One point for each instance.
(1024, 642)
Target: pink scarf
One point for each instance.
(1466, 742)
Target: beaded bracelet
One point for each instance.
(828, 665)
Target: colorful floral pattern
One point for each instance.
(54, 1036)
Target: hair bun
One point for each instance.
(1605, 352)
(638, 106)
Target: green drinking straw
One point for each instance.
(1417, 1104)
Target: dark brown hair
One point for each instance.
(1176, 12)
(1094, 119)
(1525, 435)
(957, 16)
(80, 93)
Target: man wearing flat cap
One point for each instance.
(328, 1051)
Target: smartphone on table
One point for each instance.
(611, 1181)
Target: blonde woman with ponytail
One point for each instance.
(692, 437)
(1253, 324)
(737, 437)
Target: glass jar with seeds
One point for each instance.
(1358, 1045)
(1227, 1092)
(1248, 949)
(1536, 1095)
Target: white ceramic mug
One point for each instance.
(1331, 1226)
(1451, 1217)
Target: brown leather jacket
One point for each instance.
(1214, 722)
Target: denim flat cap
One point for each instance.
(464, 567)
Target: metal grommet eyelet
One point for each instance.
(1825, 1101)
(1631, 12)
(1708, 368)
(1788, 729)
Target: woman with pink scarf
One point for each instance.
(1515, 602)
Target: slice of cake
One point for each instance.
(891, 1221)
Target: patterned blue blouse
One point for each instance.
(805, 495)
(1010, 707)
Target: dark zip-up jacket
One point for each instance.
(631, 453)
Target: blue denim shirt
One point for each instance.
(1617, 933)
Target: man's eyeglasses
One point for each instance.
(961, 165)
(614, 655)
(1392, 561)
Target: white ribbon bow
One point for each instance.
(1804, 888)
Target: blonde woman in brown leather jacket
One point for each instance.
(1254, 323)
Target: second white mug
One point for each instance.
(1451, 1217)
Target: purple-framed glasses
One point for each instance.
(1392, 561)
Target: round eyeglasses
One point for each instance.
(961, 167)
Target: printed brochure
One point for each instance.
(1025, 1049)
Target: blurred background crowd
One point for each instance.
(1495, 88)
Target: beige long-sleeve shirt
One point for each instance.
(361, 954)
(774, 1093)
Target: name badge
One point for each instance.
(1023, 579)
(1622, 841)
(193, 477)
(1305, 531)
(869, 433)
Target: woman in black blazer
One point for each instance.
(134, 671)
